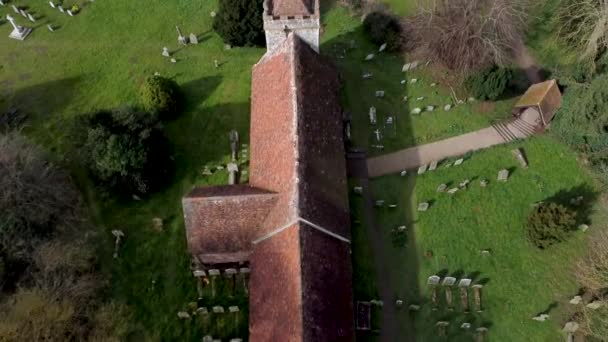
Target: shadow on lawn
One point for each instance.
(580, 198)
(381, 269)
(43, 100)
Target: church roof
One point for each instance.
(292, 7)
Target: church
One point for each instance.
(290, 224)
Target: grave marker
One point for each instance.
(463, 287)
(52, 4)
(379, 93)
(477, 292)
(442, 187)
(424, 206)
(459, 162)
(442, 328)
(372, 115)
(370, 57)
(416, 110)
(503, 175)
(403, 173)
(422, 169)
(433, 166)
(60, 8)
(447, 283)
(433, 282)
(193, 39)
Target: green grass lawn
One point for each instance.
(97, 60)
(347, 44)
(520, 280)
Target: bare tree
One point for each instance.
(583, 26)
(465, 34)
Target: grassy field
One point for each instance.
(347, 44)
(520, 280)
(97, 60)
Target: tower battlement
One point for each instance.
(284, 16)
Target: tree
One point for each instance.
(583, 26)
(240, 22)
(489, 83)
(550, 223)
(37, 199)
(465, 35)
(383, 28)
(125, 149)
(161, 95)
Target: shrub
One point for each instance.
(550, 223)
(240, 22)
(161, 95)
(489, 84)
(125, 149)
(383, 28)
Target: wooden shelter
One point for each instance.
(544, 97)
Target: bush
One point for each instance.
(240, 22)
(125, 150)
(383, 28)
(550, 223)
(489, 84)
(161, 95)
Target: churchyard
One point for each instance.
(98, 58)
(477, 233)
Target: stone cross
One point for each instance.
(118, 234)
(12, 21)
(377, 133)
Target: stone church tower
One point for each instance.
(284, 16)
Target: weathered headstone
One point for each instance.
(465, 326)
(420, 98)
(166, 52)
(442, 187)
(367, 76)
(433, 282)
(157, 223)
(31, 18)
(15, 9)
(433, 166)
(459, 162)
(483, 183)
(422, 169)
(583, 227)
(70, 13)
(576, 300)
(482, 333)
(50, 27)
(60, 8)
(118, 235)
(503, 175)
(596, 304)
(442, 328)
(464, 184)
(183, 315)
(463, 286)
(370, 57)
(430, 108)
(447, 283)
(519, 155)
(416, 110)
(193, 39)
(453, 191)
(382, 47)
(379, 203)
(52, 4)
(541, 318)
(477, 293)
(447, 107)
(413, 80)
(424, 206)
(358, 189)
(379, 93)
(19, 32)
(372, 115)
(403, 173)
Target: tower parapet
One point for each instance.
(299, 16)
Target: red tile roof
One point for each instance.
(300, 284)
(292, 7)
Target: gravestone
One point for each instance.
(503, 175)
(2, 3)
(193, 39)
(519, 155)
(52, 4)
(69, 12)
(459, 162)
(442, 328)
(19, 32)
(218, 309)
(483, 183)
(405, 98)
(367, 76)
(379, 203)
(583, 227)
(23, 13)
(213, 273)
(202, 311)
(413, 80)
(50, 28)
(379, 93)
(370, 57)
(576, 300)
(227, 47)
(15, 9)
(422, 169)
(430, 108)
(463, 286)
(216, 63)
(173, 60)
(358, 189)
(433, 282)
(414, 307)
(166, 52)
(433, 166)
(60, 8)
(382, 47)
(596, 304)
(465, 326)
(416, 110)
(180, 37)
(447, 107)
(401, 228)
(31, 18)
(392, 206)
(464, 184)
(244, 271)
(403, 173)
(447, 283)
(207, 338)
(452, 191)
(420, 98)
(442, 187)
(183, 315)
(410, 66)
(570, 328)
(433, 84)
(372, 115)
(424, 206)
(477, 293)
(541, 318)
(157, 223)
(482, 332)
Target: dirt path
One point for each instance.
(417, 156)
